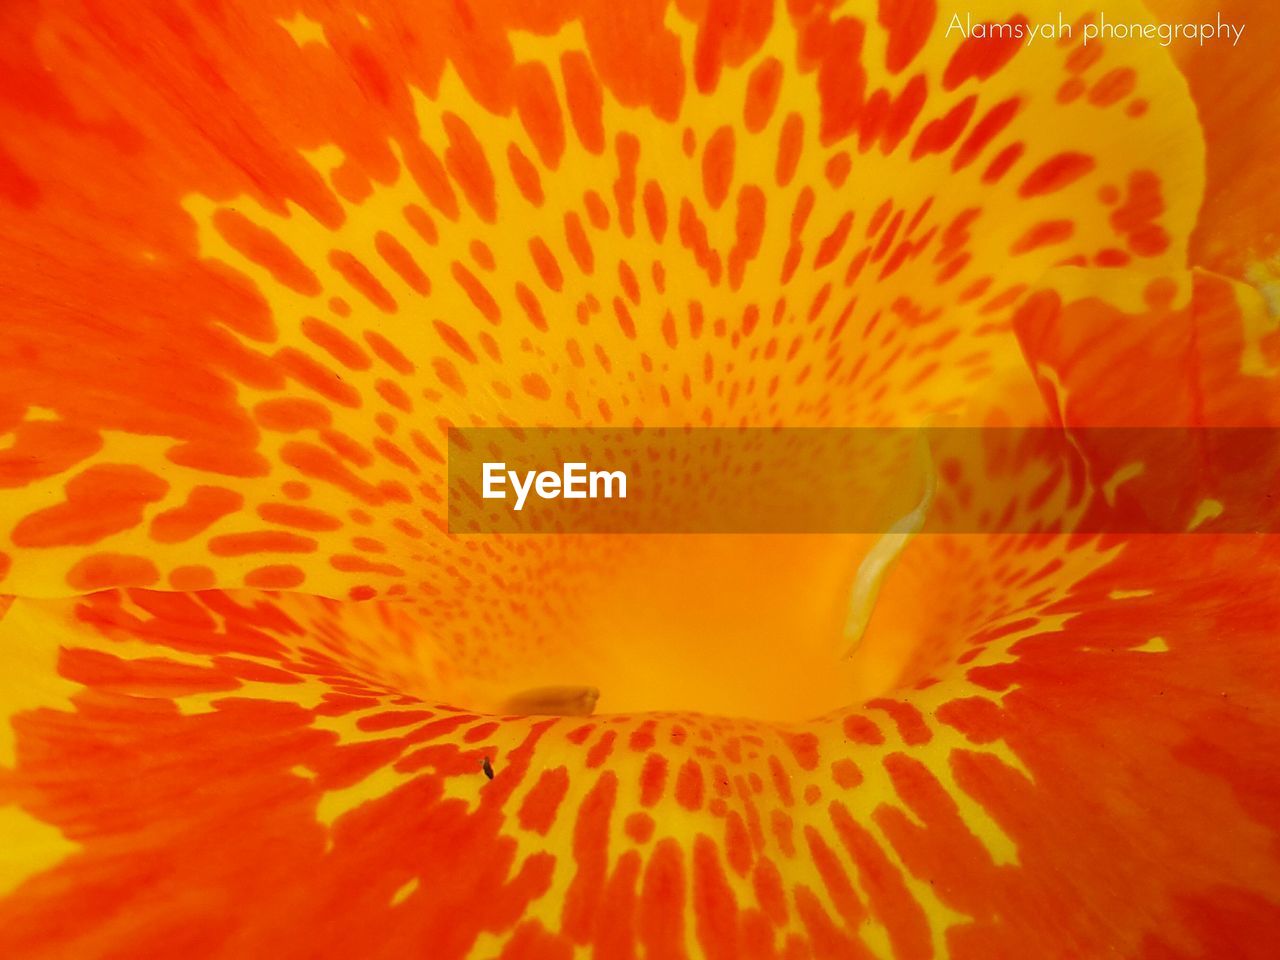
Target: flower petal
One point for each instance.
(259, 277)
(1027, 783)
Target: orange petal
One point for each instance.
(258, 279)
(1231, 84)
(257, 264)
(1053, 735)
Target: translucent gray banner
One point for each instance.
(864, 480)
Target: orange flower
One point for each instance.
(256, 700)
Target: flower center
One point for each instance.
(743, 625)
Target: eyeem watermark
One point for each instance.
(1100, 28)
(1088, 480)
(573, 482)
